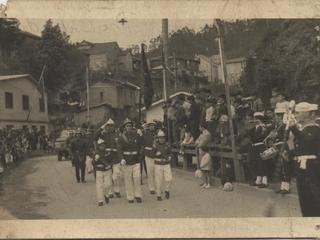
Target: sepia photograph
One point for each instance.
(159, 118)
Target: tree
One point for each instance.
(53, 53)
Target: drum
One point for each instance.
(269, 153)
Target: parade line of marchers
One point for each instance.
(111, 154)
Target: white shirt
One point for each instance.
(209, 113)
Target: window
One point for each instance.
(25, 102)
(9, 100)
(101, 96)
(41, 105)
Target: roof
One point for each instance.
(9, 77)
(96, 106)
(170, 97)
(216, 59)
(118, 82)
(100, 48)
(31, 35)
(14, 77)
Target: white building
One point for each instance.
(155, 112)
(211, 68)
(23, 103)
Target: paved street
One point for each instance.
(42, 187)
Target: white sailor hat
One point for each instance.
(306, 107)
(161, 133)
(281, 107)
(224, 118)
(100, 141)
(110, 122)
(258, 114)
(151, 123)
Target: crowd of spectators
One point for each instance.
(14, 143)
(200, 120)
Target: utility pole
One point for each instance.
(175, 71)
(237, 168)
(164, 38)
(88, 96)
(165, 56)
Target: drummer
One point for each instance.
(286, 163)
(259, 167)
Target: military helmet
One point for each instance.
(127, 121)
(100, 141)
(161, 134)
(110, 122)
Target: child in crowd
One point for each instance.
(205, 166)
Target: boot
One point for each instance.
(138, 199)
(167, 194)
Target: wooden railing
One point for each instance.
(216, 151)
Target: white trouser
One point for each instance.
(132, 180)
(163, 175)
(103, 183)
(116, 176)
(150, 170)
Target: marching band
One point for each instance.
(292, 141)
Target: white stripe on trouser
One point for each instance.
(150, 171)
(103, 184)
(132, 178)
(163, 175)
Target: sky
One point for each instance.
(135, 31)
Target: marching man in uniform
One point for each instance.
(307, 157)
(103, 166)
(79, 149)
(110, 137)
(163, 174)
(148, 140)
(129, 150)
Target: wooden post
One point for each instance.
(237, 167)
(140, 100)
(165, 35)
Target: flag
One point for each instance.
(148, 90)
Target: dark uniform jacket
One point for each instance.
(307, 140)
(129, 147)
(102, 161)
(162, 153)
(111, 143)
(79, 148)
(148, 141)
